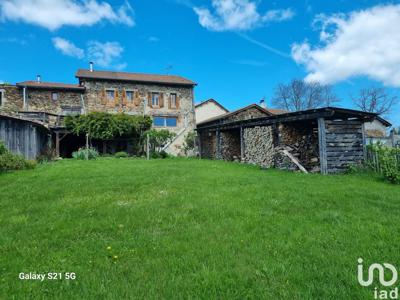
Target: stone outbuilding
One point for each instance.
(325, 140)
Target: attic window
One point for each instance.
(129, 96)
(54, 96)
(110, 95)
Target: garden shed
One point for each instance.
(325, 140)
(24, 137)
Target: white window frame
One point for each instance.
(158, 99)
(173, 104)
(165, 121)
(133, 95)
(109, 90)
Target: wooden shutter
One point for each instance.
(116, 99)
(169, 101)
(124, 98)
(103, 96)
(149, 100)
(178, 101)
(137, 98)
(161, 99)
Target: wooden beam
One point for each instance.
(322, 146)
(218, 136)
(241, 145)
(57, 144)
(199, 144)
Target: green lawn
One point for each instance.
(192, 229)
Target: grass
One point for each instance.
(192, 229)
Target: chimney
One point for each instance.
(262, 103)
(91, 66)
(38, 78)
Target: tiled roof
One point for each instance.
(135, 77)
(51, 85)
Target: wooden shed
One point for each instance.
(24, 137)
(325, 140)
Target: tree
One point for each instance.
(159, 138)
(300, 95)
(375, 100)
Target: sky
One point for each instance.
(237, 51)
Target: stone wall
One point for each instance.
(12, 101)
(259, 146)
(186, 122)
(247, 114)
(230, 145)
(40, 100)
(301, 140)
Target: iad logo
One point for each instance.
(387, 275)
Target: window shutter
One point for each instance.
(149, 100)
(170, 101)
(124, 99)
(137, 97)
(116, 99)
(161, 100)
(103, 96)
(178, 101)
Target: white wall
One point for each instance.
(207, 111)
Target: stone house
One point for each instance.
(167, 99)
(325, 140)
(209, 109)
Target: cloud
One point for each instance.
(53, 14)
(68, 48)
(105, 54)
(361, 43)
(238, 15)
(153, 39)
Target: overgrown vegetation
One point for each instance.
(10, 161)
(158, 139)
(106, 126)
(190, 143)
(192, 229)
(84, 153)
(385, 160)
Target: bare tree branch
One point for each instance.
(375, 100)
(300, 95)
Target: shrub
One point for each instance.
(190, 143)
(161, 154)
(3, 148)
(9, 162)
(121, 154)
(385, 160)
(91, 153)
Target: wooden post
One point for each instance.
(199, 143)
(87, 146)
(322, 146)
(241, 144)
(148, 147)
(218, 144)
(364, 141)
(57, 144)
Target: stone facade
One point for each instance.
(259, 146)
(93, 97)
(12, 99)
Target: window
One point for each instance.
(110, 95)
(155, 99)
(54, 96)
(71, 110)
(165, 121)
(129, 96)
(173, 100)
(1, 98)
